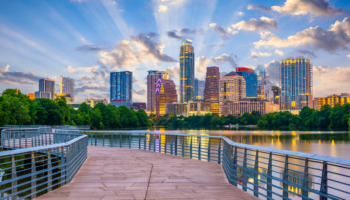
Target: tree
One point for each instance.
(96, 119)
(142, 118)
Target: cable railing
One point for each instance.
(267, 173)
(37, 162)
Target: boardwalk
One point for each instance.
(113, 173)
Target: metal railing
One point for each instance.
(267, 173)
(40, 161)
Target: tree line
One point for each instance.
(17, 109)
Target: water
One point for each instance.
(328, 143)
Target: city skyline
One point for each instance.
(86, 40)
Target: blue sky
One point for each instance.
(87, 39)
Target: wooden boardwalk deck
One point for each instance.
(114, 173)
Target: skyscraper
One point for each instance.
(67, 86)
(152, 78)
(251, 81)
(263, 85)
(211, 89)
(276, 94)
(186, 71)
(121, 88)
(232, 89)
(198, 89)
(46, 89)
(296, 83)
(165, 94)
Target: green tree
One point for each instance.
(96, 119)
(142, 118)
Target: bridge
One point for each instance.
(68, 163)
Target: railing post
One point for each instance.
(235, 167)
(63, 167)
(269, 177)
(209, 150)
(25, 140)
(165, 145)
(145, 142)
(140, 141)
(14, 176)
(120, 140)
(285, 179)
(171, 147)
(33, 183)
(324, 181)
(256, 174)
(199, 149)
(183, 146)
(154, 144)
(191, 148)
(219, 151)
(245, 170)
(176, 145)
(112, 140)
(103, 140)
(129, 140)
(49, 172)
(95, 139)
(149, 142)
(304, 189)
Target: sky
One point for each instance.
(88, 39)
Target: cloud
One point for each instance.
(255, 54)
(89, 48)
(174, 72)
(328, 81)
(72, 70)
(140, 92)
(272, 69)
(140, 49)
(16, 78)
(165, 5)
(240, 13)
(348, 56)
(262, 24)
(279, 52)
(162, 8)
(230, 59)
(258, 7)
(337, 37)
(304, 7)
(224, 33)
(202, 63)
(86, 88)
(309, 53)
(185, 32)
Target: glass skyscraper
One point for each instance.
(211, 90)
(296, 83)
(67, 86)
(46, 89)
(251, 80)
(199, 89)
(186, 71)
(121, 88)
(152, 78)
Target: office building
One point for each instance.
(251, 80)
(67, 87)
(152, 78)
(46, 89)
(139, 105)
(165, 94)
(121, 88)
(331, 100)
(177, 108)
(248, 106)
(211, 89)
(276, 94)
(189, 109)
(232, 89)
(199, 89)
(296, 83)
(186, 71)
(263, 85)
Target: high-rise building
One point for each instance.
(121, 88)
(296, 83)
(250, 78)
(139, 105)
(263, 86)
(46, 89)
(165, 94)
(199, 89)
(276, 94)
(331, 100)
(186, 71)
(152, 78)
(211, 89)
(232, 89)
(67, 86)
(93, 102)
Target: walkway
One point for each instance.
(114, 173)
